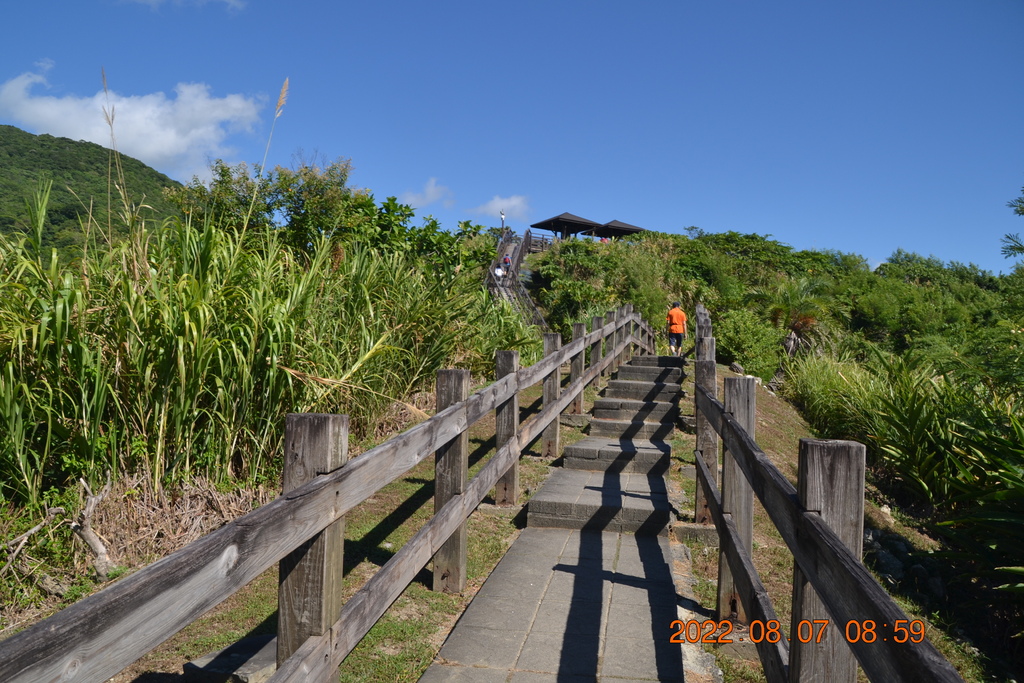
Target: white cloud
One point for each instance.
(432, 192)
(516, 207)
(176, 135)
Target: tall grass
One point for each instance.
(956, 445)
(180, 349)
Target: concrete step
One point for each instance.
(601, 501)
(631, 429)
(602, 453)
(643, 391)
(658, 361)
(651, 373)
(626, 409)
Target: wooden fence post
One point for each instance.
(623, 333)
(595, 349)
(506, 424)
(737, 495)
(628, 333)
(705, 375)
(831, 483)
(609, 344)
(451, 467)
(309, 578)
(579, 330)
(550, 443)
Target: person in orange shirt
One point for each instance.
(676, 329)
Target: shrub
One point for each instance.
(742, 337)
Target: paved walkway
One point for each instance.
(572, 606)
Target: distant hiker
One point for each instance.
(507, 263)
(676, 329)
(499, 273)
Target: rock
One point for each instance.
(737, 368)
(886, 563)
(886, 514)
(687, 423)
(574, 420)
(897, 546)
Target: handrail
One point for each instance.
(368, 604)
(509, 286)
(841, 581)
(100, 635)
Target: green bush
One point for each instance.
(742, 337)
(180, 349)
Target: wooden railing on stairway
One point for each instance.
(302, 530)
(509, 287)
(839, 611)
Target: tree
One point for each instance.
(1012, 245)
(308, 203)
(1018, 204)
(796, 305)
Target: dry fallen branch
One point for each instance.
(83, 528)
(18, 543)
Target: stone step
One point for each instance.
(602, 453)
(601, 501)
(643, 391)
(658, 361)
(627, 409)
(631, 429)
(651, 373)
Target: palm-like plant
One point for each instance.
(797, 305)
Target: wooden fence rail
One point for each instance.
(830, 499)
(99, 636)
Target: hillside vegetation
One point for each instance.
(167, 344)
(83, 195)
(919, 359)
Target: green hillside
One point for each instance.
(86, 168)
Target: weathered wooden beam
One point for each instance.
(830, 482)
(595, 346)
(309, 580)
(550, 443)
(579, 331)
(506, 424)
(774, 656)
(99, 636)
(627, 331)
(613, 339)
(737, 496)
(705, 375)
(848, 590)
(364, 608)
(451, 467)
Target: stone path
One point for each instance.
(572, 606)
(589, 591)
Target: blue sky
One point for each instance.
(863, 127)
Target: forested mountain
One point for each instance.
(82, 172)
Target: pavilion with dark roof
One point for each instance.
(567, 224)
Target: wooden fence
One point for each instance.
(303, 530)
(509, 287)
(839, 610)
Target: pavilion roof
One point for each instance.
(566, 224)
